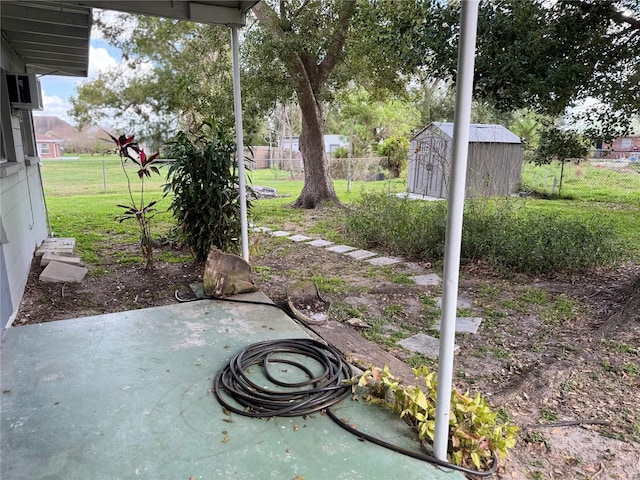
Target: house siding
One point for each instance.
(23, 224)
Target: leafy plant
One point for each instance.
(205, 186)
(476, 436)
(142, 213)
(396, 153)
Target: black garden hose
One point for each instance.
(285, 399)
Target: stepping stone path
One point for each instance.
(299, 238)
(320, 243)
(419, 343)
(361, 254)
(341, 248)
(465, 324)
(423, 344)
(430, 279)
(384, 261)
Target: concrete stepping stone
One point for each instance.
(320, 243)
(60, 245)
(261, 229)
(299, 238)
(57, 272)
(465, 324)
(280, 233)
(361, 254)
(463, 302)
(430, 279)
(384, 261)
(341, 248)
(424, 344)
(48, 257)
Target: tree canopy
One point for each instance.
(548, 56)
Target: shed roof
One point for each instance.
(479, 132)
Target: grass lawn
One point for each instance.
(79, 207)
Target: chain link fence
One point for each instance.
(601, 179)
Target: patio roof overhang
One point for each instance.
(53, 36)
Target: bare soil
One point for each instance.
(543, 356)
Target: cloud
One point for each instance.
(100, 60)
(55, 106)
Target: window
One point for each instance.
(625, 143)
(44, 148)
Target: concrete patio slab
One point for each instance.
(300, 238)
(430, 279)
(384, 261)
(361, 254)
(128, 395)
(424, 344)
(280, 233)
(341, 248)
(465, 324)
(58, 272)
(49, 257)
(320, 243)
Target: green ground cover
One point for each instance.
(78, 205)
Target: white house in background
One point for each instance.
(331, 143)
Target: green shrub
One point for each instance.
(205, 184)
(396, 153)
(498, 232)
(476, 434)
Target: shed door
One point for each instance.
(430, 167)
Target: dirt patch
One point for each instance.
(539, 356)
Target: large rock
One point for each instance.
(226, 274)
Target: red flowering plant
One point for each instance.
(128, 150)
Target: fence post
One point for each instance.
(104, 178)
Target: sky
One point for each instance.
(56, 90)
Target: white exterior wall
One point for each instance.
(23, 224)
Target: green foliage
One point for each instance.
(561, 145)
(396, 153)
(476, 435)
(548, 56)
(133, 210)
(205, 187)
(521, 240)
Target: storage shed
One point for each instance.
(493, 167)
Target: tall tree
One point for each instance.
(313, 47)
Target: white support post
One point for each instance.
(464, 90)
(237, 106)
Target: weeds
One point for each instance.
(498, 232)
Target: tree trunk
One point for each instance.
(318, 185)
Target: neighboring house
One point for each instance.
(494, 161)
(48, 147)
(624, 147)
(331, 143)
(52, 38)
